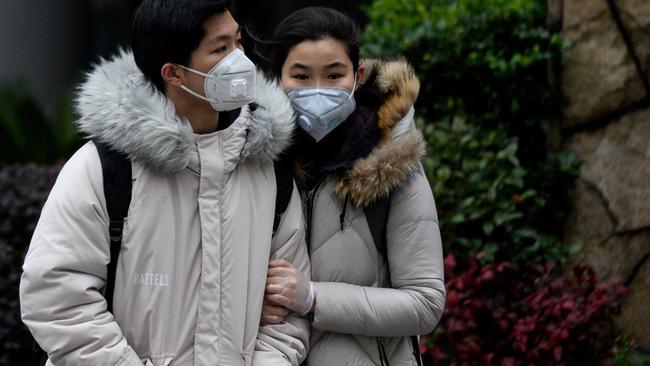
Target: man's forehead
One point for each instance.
(222, 35)
(221, 24)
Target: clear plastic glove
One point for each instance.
(288, 287)
(273, 314)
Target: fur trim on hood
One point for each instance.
(118, 107)
(397, 156)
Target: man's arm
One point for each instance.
(287, 343)
(65, 269)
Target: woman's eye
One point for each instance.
(335, 76)
(220, 50)
(301, 77)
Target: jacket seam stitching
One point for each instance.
(124, 357)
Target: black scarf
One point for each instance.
(338, 151)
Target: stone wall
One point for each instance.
(606, 122)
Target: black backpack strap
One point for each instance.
(116, 170)
(39, 357)
(377, 217)
(416, 350)
(284, 183)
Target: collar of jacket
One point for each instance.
(398, 153)
(118, 107)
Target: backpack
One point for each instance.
(377, 217)
(117, 175)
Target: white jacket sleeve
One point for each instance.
(415, 303)
(65, 269)
(287, 343)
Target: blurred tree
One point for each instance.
(27, 134)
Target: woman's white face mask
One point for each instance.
(321, 109)
(230, 84)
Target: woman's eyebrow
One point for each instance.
(298, 65)
(335, 64)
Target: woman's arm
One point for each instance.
(416, 301)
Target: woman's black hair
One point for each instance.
(308, 24)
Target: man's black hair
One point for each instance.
(169, 31)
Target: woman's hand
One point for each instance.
(288, 287)
(273, 314)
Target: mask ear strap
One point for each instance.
(196, 94)
(354, 86)
(192, 92)
(197, 72)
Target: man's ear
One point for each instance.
(172, 74)
(360, 71)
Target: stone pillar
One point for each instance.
(606, 122)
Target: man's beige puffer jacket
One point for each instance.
(197, 241)
(358, 301)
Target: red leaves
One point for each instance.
(557, 353)
(499, 315)
(450, 263)
(486, 275)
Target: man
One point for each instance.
(198, 236)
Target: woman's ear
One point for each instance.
(172, 74)
(360, 71)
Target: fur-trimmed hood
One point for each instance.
(118, 107)
(398, 153)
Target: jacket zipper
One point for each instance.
(309, 208)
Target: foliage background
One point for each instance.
(486, 108)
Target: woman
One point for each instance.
(374, 242)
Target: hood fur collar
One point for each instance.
(118, 107)
(401, 147)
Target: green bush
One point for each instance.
(484, 107)
(477, 57)
(485, 200)
(28, 135)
